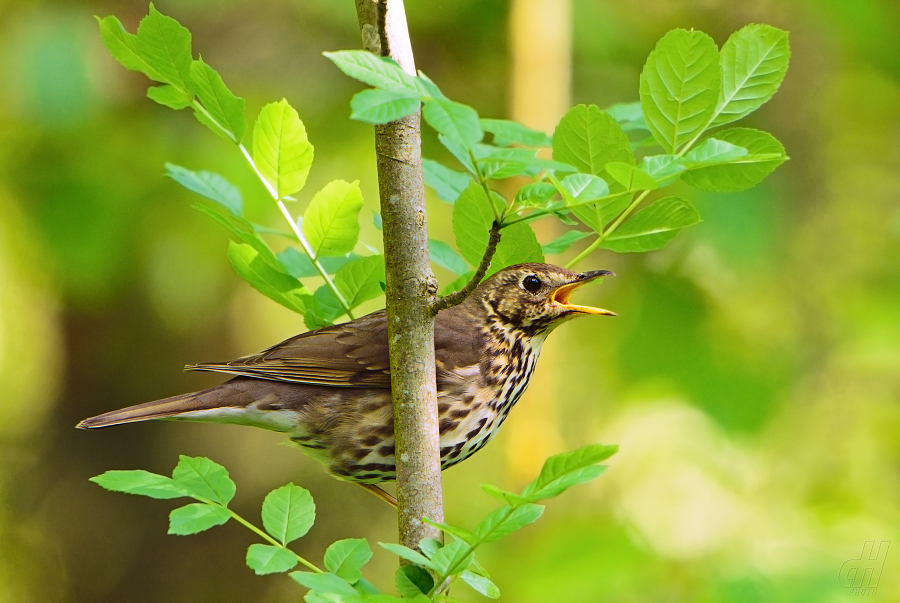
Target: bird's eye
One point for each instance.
(531, 283)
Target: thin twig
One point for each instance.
(307, 249)
(448, 301)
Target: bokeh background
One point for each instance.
(751, 379)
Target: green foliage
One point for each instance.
(210, 185)
(754, 61)
(281, 150)
(275, 285)
(605, 166)
(588, 138)
(653, 226)
(345, 558)
(331, 222)
(289, 512)
(687, 86)
(680, 87)
(268, 559)
(195, 518)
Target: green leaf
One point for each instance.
(210, 185)
(430, 88)
(123, 47)
(447, 183)
(166, 45)
(272, 283)
(597, 215)
(324, 307)
(412, 581)
(662, 168)
(516, 163)
(288, 513)
(562, 471)
(452, 557)
(325, 583)
(481, 584)
(282, 153)
(630, 116)
(712, 151)
(498, 163)
(268, 559)
(507, 497)
(680, 87)
(456, 121)
(517, 246)
(765, 153)
(653, 227)
(212, 126)
(376, 71)
(461, 152)
(345, 558)
(245, 231)
(589, 138)
(381, 106)
(631, 177)
(508, 132)
(361, 279)
(562, 243)
(472, 220)
(226, 108)
(446, 257)
(367, 589)
(430, 546)
(201, 478)
(170, 96)
(525, 157)
(408, 554)
(196, 517)
(506, 520)
(299, 265)
(753, 62)
(461, 533)
(140, 482)
(583, 187)
(331, 222)
(535, 192)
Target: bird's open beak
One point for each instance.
(561, 295)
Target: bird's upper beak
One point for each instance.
(561, 295)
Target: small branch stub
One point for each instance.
(453, 299)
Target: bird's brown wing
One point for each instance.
(353, 354)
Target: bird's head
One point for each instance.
(535, 297)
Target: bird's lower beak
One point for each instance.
(561, 295)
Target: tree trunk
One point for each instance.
(411, 288)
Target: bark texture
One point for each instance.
(411, 288)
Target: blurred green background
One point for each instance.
(752, 377)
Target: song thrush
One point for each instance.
(329, 389)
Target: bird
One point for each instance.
(329, 389)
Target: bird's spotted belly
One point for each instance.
(468, 420)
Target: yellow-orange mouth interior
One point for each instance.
(561, 296)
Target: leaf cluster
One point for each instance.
(289, 512)
(603, 167)
(281, 156)
(599, 181)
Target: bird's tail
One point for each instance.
(158, 409)
(236, 401)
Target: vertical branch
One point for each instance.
(411, 288)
